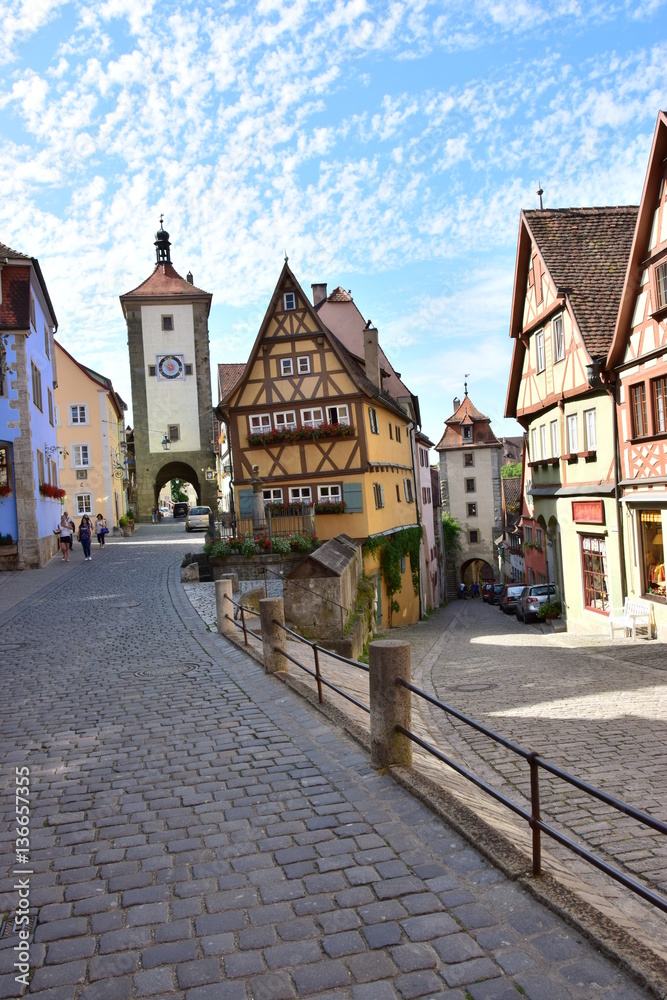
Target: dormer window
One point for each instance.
(467, 433)
(289, 301)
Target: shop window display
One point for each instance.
(654, 553)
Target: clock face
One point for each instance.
(170, 366)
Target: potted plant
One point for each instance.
(550, 610)
(126, 525)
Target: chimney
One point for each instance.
(319, 293)
(188, 277)
(371, 355)
(457, 403)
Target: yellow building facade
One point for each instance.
(320, 432)
(91, 434)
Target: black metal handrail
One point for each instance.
(244, 612)
(317, 649)
(533, 818)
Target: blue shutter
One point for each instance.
(353, 497)
(245, 503)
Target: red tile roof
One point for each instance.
(466, 413)
(228, 376)
(586, 251)
(165, 282)
(339, 295)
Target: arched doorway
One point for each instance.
(176, 470)
(476, 571)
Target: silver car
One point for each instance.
(531, 600)
(197, 519)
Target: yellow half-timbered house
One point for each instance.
(567, 289)
(323, 432)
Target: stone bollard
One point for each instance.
(234, 577)
(390, 704)
(223, 590)
(273, 638)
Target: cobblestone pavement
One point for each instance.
(198, 831)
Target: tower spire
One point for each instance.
(162, 245)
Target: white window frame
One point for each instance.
(78, 456)
(559, 337)
(533, 444)
(56, 413)
(260, 423)
(83, 504)
(590, 430)
(341, 418)
(303, 364)
(543, 441)
(572, 433)
(373, 419)
(275, 495)
(305, 494)
(286, 367)
(289, 301)
(330, 494)
(76, 421)
(540, 360)
(285, 420)
(312, 420)
(555, 445)
(407, 486)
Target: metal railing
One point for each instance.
(293, 521)
(316, 673)
(243, 612)
(533, 817)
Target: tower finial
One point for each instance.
(286, 257)
(465, 384)
(540, 192)
(162, 245)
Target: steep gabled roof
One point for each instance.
(7, 254)
(585, 251)
(466, 413)
(228, 376)
(638, 251)
(164, 283)
(102, 380)
(356, 373)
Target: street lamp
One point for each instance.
(166, 443)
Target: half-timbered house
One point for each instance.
(567, 289)
(637, 361)
(323, 432)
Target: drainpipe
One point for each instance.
(416, 499)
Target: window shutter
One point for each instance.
(353, 497)
(245, 503)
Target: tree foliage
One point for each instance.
(177, 494)
(451, 530)
(511, 471)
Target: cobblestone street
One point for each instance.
(198, 831)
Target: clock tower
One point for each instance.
(167, 336)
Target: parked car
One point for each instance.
(164, 511)
(180, 509)
(486, 590)
(197, 519)
(495, 592)
(509, 597)
(532, 598)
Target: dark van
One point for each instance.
(180, 509)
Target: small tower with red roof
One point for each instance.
(167, 332)
(470, 489)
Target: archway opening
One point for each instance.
(176, 470)
(476, 571)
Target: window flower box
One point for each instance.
(330, 507)
(5, 490)
(307, 433)
(52, 492)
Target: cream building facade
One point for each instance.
(90, 430)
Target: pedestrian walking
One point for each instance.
(154, 515)
(65, 534)
(101, 529)
(86, 536)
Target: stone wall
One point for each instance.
(256, 567)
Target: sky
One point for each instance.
(387, 147)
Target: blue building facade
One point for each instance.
(29, 505)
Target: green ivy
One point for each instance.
(392, 548)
